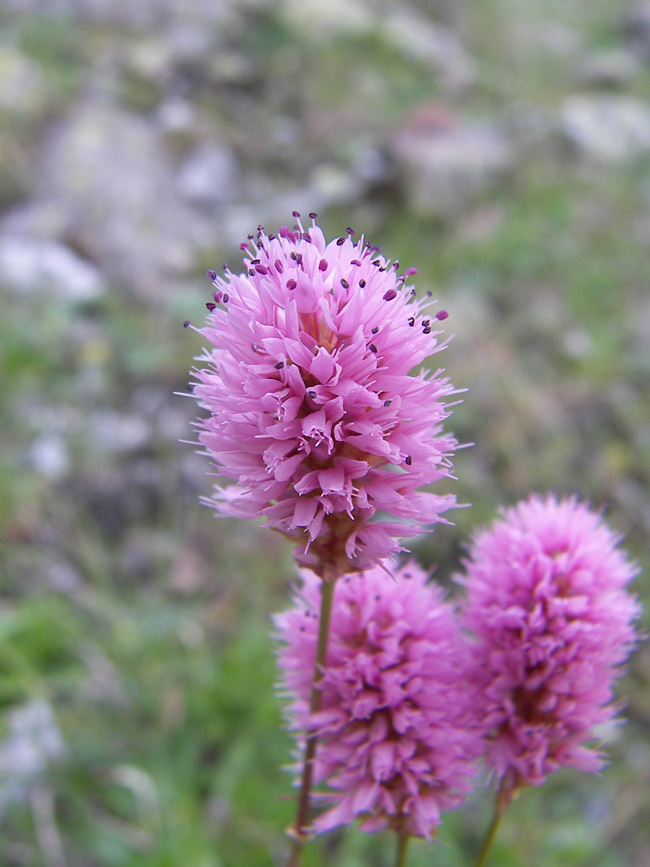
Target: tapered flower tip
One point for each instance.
(552, 622)
(398, 738)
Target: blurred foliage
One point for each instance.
(144, 623)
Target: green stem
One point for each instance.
(299, 832)
(402, 845)
(503, 798)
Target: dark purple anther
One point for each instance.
(296, 214)
(261, 269)
(410, 272)
(362, 283)
(211, 275)
(392, 293)
(375, 330)
(279, 365)
(217, 296)
(291, 284)
(441, 314)
(186, 324)
(372, 347)
(313, 215)
(408, 460)
(340, 242)
(344, 283)
(210, 306)
(411, 321)
(279, 266)
(322, 265)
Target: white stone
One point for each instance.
(607, 128)
(209, 177)
(322, 19)
(30, 265)
(420, 38)
(49, 456)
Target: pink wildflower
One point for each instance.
(313, 413)
(547, 603)
(396, 742)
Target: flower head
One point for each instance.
(547, 603)
(312, 412)
(396, 741)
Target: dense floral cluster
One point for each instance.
(397, 731)
(321, 423)
(312, 409)
(553, 622)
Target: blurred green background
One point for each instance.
(503, 148)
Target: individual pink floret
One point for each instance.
(313, 413)
(397, 733)
(553, 623)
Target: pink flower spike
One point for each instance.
(398, 735)
(312, 407)
(553, 624)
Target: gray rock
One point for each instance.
(113, 182)
(438, 47)
(445, 163)
(209, 177)
(23, 89)
(142, 16)
(636, 26)
(113, 432)
(318, 21)
(33, 741)
(608, 69)
(49, 456)
(30, 265)
(606, 128)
